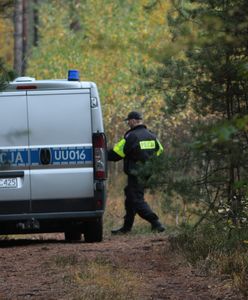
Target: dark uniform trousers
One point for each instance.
(135, 203)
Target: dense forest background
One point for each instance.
(182, 63)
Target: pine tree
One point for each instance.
(208, 75)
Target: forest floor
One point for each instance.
(133, 266)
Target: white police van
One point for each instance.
(52, 158)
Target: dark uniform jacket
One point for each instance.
(137, 145)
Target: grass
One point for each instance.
(68, 260)
(103, 280)
(98, 278)
(234, 264)
(216, 251)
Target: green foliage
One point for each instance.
(206, 80)
(208, 238)
(5, 75)
(204, 86)
(216, 248)
(6, 5)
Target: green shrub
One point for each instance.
(219, 249)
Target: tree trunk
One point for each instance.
(35, 23)
(25, 35)
(18, 41)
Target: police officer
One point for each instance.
(136, 147)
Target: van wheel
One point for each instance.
(71, 236)
(93, 231)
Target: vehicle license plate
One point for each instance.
(8, 183)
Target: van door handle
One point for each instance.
(10, 174)
(45, 156)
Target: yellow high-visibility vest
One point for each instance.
(118, 148)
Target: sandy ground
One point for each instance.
(33, 268)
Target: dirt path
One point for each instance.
(141, 267)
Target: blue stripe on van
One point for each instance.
(15, 157)
(59, 156)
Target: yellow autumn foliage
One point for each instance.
(113, 42)
(6, 41)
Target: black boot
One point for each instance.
(122, 230)
(157, 227)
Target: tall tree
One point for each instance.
(208, 73)
(25, 32)
(18, 37)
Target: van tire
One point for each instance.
(93, 232)
(71, 236)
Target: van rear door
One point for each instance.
(14, 154)
(61, 150)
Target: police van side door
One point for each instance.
(61, 150)
(14, 154)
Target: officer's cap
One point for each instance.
(134, 115)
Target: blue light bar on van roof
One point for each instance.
(73, 75)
